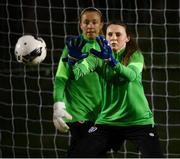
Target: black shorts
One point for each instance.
(78, 131)
(144, 137)
(101, 138)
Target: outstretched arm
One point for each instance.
(130, 72)
(133, 69)
(86, 66)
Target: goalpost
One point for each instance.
(26, 101)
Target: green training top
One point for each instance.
(82, 97)
(124, 101)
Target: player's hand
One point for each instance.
(75, 45)
(106, 51)
(59, 114)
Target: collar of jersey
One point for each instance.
(119, 55)
(88, 40)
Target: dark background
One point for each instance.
(26, 128)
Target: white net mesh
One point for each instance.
(26, 128)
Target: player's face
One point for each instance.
(91, 24)
(117, 37)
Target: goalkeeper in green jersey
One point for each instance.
(125, 113)
(77, 102)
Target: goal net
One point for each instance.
(26, 127)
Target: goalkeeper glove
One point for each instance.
(59, 113)
(106, 51)
(75, 45)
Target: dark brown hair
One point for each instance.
(131, 45)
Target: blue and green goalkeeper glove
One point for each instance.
(106, 51)
(75, 45)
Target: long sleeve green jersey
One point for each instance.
(82, 97)
(124, 102)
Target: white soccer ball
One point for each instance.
(30, 50)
